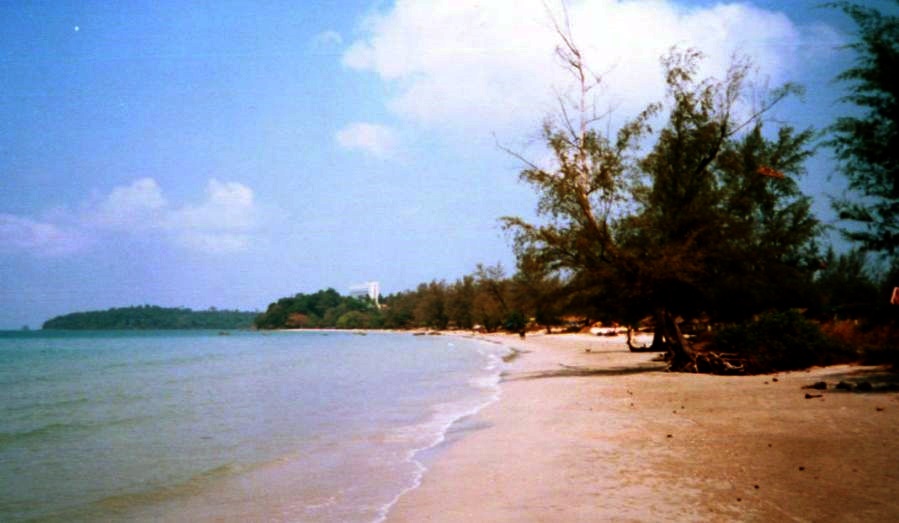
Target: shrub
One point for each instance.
(875, 344)
(780, 341)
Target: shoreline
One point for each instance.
(418, 456)
(587, 431)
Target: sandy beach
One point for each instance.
(587, 431)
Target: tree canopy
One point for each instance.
(710, 222)
(325, 308)
(866, 145)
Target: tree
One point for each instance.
(491, 280)
(325, 308)
(653, 230)
(430, 310)
(866, 145)
(460, 302)
(718, 196)
(399, 310)
(846, 287)
(536, 292)
(584, 191)
(489, 303)
(769, 254)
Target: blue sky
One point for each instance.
(230, 153)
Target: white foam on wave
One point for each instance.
(445, 416)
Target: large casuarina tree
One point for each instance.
(721, 226)
(867, 145)
(713, 205)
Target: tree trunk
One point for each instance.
(642, 348)
(659, 342)
(681, 356)
(668, 338)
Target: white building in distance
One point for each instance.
(370, 288)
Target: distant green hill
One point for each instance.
(151, 317)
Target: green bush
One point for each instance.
(515, 322)
(780, 341)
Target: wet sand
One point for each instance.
(588, 431)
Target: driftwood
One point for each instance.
(720, 363)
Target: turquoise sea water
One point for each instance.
(192, 426)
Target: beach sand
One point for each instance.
(607, 435)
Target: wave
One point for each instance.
(59, 430)
(120, 506)
(194, 485)
(67, 403)
(164, 362)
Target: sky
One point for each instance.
(226, 154)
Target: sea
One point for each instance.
(228, 426)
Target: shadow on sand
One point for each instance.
(880, 379)
(568, 371)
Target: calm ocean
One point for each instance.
(194, 426)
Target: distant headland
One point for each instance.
(145, 317)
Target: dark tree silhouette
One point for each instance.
(867, 146)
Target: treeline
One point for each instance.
(840, 288)
(146, 317)
(486, 299)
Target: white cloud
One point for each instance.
(135, 206)
(490, 66)
(37, 237)
(378, 140)
(223, 222)
(228, 207)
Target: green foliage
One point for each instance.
(766, 254)
(723, 228)
(460, 303)
(866, 145)
(491, 302)
(780, 341)
(710, 221)
(487, 299)
(151, 317)
(515, 322)
(325, 308)
(537, 291)
(430, 310)
(353, 320)
(846, 288)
